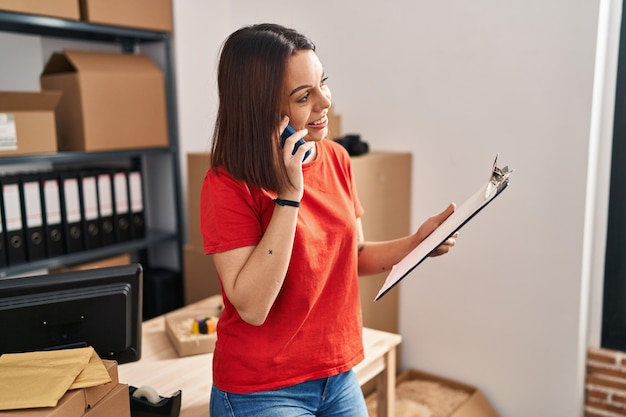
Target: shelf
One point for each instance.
(152, 237)
(75, 156)
(73, 29)
(163, 198)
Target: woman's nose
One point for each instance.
(324, 100)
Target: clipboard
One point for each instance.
(498, 182)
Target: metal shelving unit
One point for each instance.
(167, 228)
(72, 29)
(69, 157)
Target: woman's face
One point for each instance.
(307, 97)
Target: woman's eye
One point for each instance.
(304, 98)
(324, 81)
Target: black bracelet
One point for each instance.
(286, 202)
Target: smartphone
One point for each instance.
(289, 130)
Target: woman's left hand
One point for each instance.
(445, 246)
(431, 224)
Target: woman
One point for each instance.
(286, 236)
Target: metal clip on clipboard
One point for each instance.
(498, 181)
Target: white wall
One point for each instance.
(456, 82)
(200, 27)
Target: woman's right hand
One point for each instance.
(293, 161)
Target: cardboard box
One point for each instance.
(473, 402)
(110, 101)
(383, 181)
(197, 165)
(178, 326)
(334, 125)
(115, 403)
(93, 395)
(141, 14)
(72, 404)
(27, 123)
(123, 259)
(65, 9)
(200, 276)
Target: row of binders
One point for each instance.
(53, 213)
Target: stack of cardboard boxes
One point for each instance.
(91, 101)
(106, 400)
(199, 271)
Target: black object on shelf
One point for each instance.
(354, 145)
(162, 291)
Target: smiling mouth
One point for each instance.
(319, 122)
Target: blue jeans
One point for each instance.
(337, 396)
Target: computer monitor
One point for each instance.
(96, 307)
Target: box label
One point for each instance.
(8, 133)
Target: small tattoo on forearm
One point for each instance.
(269, 252)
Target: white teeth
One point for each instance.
(319, 122)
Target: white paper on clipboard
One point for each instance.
(498, 181)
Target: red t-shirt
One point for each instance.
(313, 330)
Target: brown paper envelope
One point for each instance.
(39, 379)
(95, 373)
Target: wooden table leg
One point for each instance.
(386, 386)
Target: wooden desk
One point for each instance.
(161, 368)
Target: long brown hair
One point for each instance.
(250, 81)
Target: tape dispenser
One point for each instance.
(146, 402)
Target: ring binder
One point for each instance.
(136, 204)
(71, 212)
(89, 209)
(122, 206)
(3, 244)
(13, 221)
(54, 233)
(32, 213)
(105, 206)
